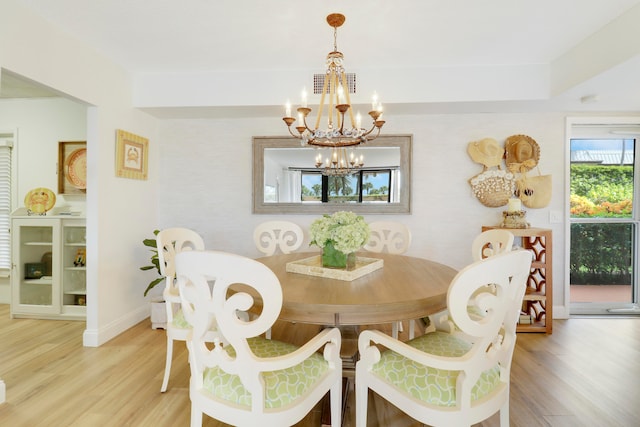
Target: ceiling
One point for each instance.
(167, 36)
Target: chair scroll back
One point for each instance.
(170, 242)
(491, 242)
(204, 279)
(392, 237)
(495, 285)
(271, 236)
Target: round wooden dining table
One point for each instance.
(404, 288)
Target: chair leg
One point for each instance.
(335, 396)
(196, 417)
(394, 330)
(412, 329)
(504, 414)
(362, 398)
(167, 365)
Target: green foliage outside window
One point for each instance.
(601, 191)
(601, 252)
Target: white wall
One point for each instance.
(206, 182)
(40, 124)
(119, 211)
(200, 172)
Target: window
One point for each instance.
(6, 145)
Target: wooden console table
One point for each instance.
(538, 300)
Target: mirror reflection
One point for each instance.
(371, 178)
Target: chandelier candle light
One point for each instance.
(339, 163)
(337, 134)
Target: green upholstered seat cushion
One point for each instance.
(179, 321)
(435, 386)
(282, 387)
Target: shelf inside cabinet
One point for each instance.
(48, 281)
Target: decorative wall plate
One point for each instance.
(40, 200)
(77, 168)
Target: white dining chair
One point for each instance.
(388, 236)
(243, 379)
(273, 236)
(486, 244)
(170, 242)
(491, 242)
(452, 379)
(394, 238)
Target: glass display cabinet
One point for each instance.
(48, 276)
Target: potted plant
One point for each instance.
(158, 309)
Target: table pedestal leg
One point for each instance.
(349, 356)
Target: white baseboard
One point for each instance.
(560, 312)
(95, 338)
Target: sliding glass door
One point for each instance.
(603, 255)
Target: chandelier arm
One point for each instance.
(364, 135)
(304, 123)
(365, 138)
(294, 135)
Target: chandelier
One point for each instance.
(339, 163)
(337, 133)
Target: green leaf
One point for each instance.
(152, 285)
(151, 243)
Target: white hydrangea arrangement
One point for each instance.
(347, 231)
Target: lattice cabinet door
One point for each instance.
(537, 306)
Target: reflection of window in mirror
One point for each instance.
(366, 186)
(270, 194)
(312, 187)
(286, 179)
(290, 177)
(344, 189)
(376, 186)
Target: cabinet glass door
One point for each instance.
(34, 270)
(74, 285)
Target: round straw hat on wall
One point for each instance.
(522, 153)
(487, 152)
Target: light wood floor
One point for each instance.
(585, 374)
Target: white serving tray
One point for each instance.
(313, 267)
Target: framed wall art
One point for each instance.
(72, 167)
(132, 152)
